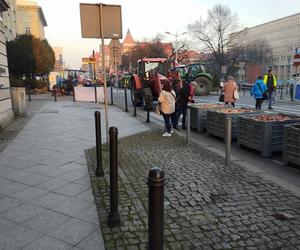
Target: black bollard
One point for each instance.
(244, 89)
(148, 111)
(95, 90)
(74, 94)
(113, 217)
(28, 91)
(54, 89)
(134, 108)
(99, 169)
(155, 183)
(188, 124)
(126, 106)
(281, 90)
(111, 96)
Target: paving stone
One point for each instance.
(22, 212)
(71, 189)
(29, 194)
(72, 231)
(46, 221)
(47, 243)
(17, 238)
(8, 203)
(207, 204)
(73, 207)
(51, 200)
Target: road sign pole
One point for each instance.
(104, 75)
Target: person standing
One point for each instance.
(292, 91)
(229, 87)
(167, 101)
(270, 82)
(185, 95)
(258, 90)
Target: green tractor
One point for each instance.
(196, 72)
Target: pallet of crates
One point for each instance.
(264, 132)
(215, 121)
(198, 114)
(291, 144)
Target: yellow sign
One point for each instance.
(89, 60)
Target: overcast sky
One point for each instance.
(146, 18)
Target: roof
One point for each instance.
(128, 38)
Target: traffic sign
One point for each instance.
(89, 60)
(296, 60)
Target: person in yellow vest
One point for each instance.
(270, 81)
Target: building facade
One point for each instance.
(283, 37)
(7, 32)
(59, 62)
(30, 19)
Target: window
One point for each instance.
(27, 30)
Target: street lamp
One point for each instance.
(176, 41)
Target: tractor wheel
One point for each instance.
(134, 94)
(204, 85)
(147, 98)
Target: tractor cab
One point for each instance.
(147, 67)
(147, 83)
(193, 70)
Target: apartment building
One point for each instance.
(30, 19)
(283, 37)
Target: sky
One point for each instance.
(146, 18)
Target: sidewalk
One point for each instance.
(45, 193)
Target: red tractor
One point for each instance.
(146, 84)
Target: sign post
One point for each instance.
(101, 21)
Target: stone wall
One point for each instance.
(6, 112)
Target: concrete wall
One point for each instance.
(6, 112)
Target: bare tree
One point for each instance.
(254, 52)
(214, 32)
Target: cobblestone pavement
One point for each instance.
(207, 205)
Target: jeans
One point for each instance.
(270, 98)
(167, 119)
(258, 103)
(173, 118)
(181, 110)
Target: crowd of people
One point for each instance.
(174, 98)
(263, 89)
(173, 101)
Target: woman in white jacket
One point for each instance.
(167, 102)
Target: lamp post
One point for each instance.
(176, 35)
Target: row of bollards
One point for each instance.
(155, 182)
